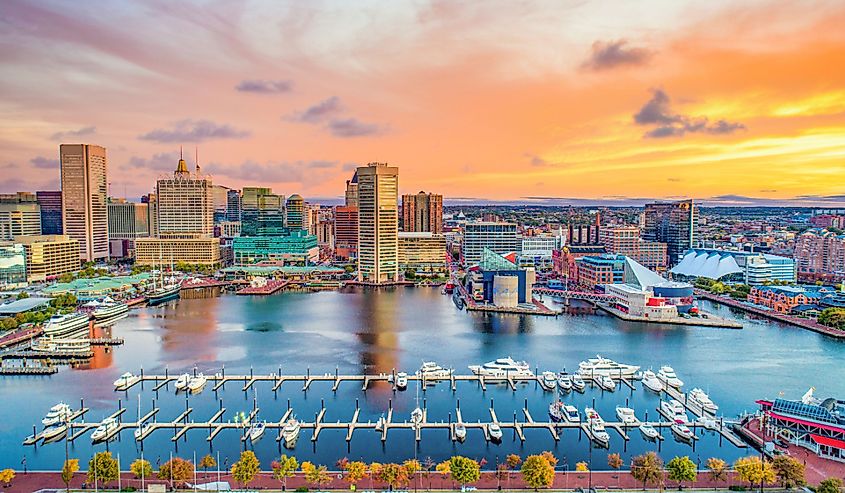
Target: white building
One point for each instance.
(734, 265)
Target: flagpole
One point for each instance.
(195, 468)
(142, 469)
(118, 472)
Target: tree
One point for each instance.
(754, 470)
(681, 469)
(393, 475)
(316, 475)
(513, 460)
(355, 471)
(207, 462)
(464, 470)
(68, 469)
(103, 468)
(177, 470)
(22, 295)
(537, 472)
(647, 468)
(833, 317)
(284, 468)
(789, 471)
(614, 461)
(6, 476)
(141, 468)
(245, 469)
(581, 467)
(550, 457)
(829, 485)
(412, 467)
(718, 469)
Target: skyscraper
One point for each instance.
(295, 211)
(19, 215)
(233, 205)
(346, 232)
(351, 195)
(378, 223)
(673, 223)
(185, 205)
(51, 211)
(422, 212)
(85, 215)
(262, 212)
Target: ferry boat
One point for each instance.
(59, 413)
(564, 381)
(401, 380)
(673, 409)
(667, 374)
(256, 431)
(106, 427)
(549, 381)
(197, 383)
(163, 294)
(126, 380)
(108, 309)
(596, 424)
(460, 432)
(503, 367)
(182, 382)
(603, 366)
(48, 344)
(701, 398)
(649, 432)
(556, 412)
(578, 383)
(69, 326)
(627, 416)
(291, 432)
(651, 382)
(681, 431)
(571, 414)
(495, 432)
(606, 383)
(432, 371)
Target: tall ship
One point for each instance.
(71, 325)
(600, 366)
(503, 367)
(167, 290)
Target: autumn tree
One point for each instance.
(537, 471)
(581, 467)
(393, 475)
(614, 461)
(789, 471)
(246, 468)
(141, 468)
(355, 471)
(102, 468)
(412, 467)
(464, 470)
(754, 470)
(829, 485)
(6, 476)
(207, 462)
(177, 470)
(718, 469)
(284, 468)
(682, 470)
(316, 475)
(68, 469)
(647, 468)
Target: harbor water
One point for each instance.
(359, 331)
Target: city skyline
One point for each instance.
(543, 104)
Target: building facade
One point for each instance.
(499, 237)
(262, 212)
(422, 212)
(820, 255)
(346, 232)
(673, 223)
(422, 252)
(378, 223)
(85, 216)
(185, 205)
(625, 240)
(295, 212)
(12, 265)
(20, 214)
(298, 247)
(164, 251)
(593, 271)
(128, 221)
(51, 211)
(49, 256)
(233, 205)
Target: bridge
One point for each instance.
(573, 295)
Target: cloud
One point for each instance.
(318, 112)
(264, 86)
(44, 163)
(82, 132)
(194, 131)
(300, 172)
(162, 161)
(352, 127)
(535, 160)
(658, 111)
(612, 54)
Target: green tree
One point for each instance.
(245, 469)
(789, 471)
(718, 469)
(141, 468)
(754, 470)
(22, 295)
(284, 468)
(681, 469)
(207, 462)
(355, 471)
(829, 485)
(177, 470)
(833, 317)
(68, 469)
(464, 470)
(103, 467)
(648, 469)
(537, 472)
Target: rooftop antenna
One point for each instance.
(197, 159)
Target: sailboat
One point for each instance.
(167, 290)
(417, 414)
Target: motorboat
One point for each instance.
(564, 382)
(380, 423)
(708, 422)
(291, 432)
(417, 416)
(603, 366)
(69, 326)
(126, 380)
(556, 412)
(649, 432)
(667, 374)
(503, 367)
(596, 426)
(681, 431)
(432, 371)
(182, 382)
(142, 431)
(495, 432)
(460, 432)
(703, 400)
(54, 432)
(673, 408)
(401, 380)
(606, 383)
(627, 416)
(256, 431)
(651, 382)
(197, 383)
(59, 413)
(571, 414)
(578, 383)
(548, 380)
(107, 427)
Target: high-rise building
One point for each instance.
(625, 240)
(152, 211)
(326, 233)
(820, 255)
(233, 206)
(220, 196)
(378, 223)
(185, 205)
(262, 212)
(128, 221)
(49, 256)
(346, 232)
(19, 215)
(422, 252)
(85, 216)
(351, 195)
(311, 218)
(51, 211)
(499, 237)
(422, 212)
(295, 208)
(673, 223)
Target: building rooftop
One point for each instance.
(21, 306)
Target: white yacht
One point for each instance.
(106, 427)
(495, 431)
(126, 380)
(571, 414)
(380, 423)
(549, 380)
(606, 383)
(401, 380)
(142, 430)
(54, 432)
(197, 383)
(417, 416)
(708, 422)
(256, 431)
(70, 326)
(596, 424)
(701, 398)
(578, 383)
(556, 412)
(603, 366)
(460, 432)
(182, 382)
(667, 374)
(627, 416)
(674, 409)
(503, 367)
(651, 382)
(649, 432)
(564, 382)
(432, 371)
(59, 413)
(681, 431)
(291, 432)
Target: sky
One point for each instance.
(732, 103)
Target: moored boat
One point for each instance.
(256, 431)
(126, 380)
(667, 374)
(649, 432)
(578, 383)
(69, 326)
(571, 414)
(503, 367)
(432, 371)
(651, 382)
(495, 432)
(59, 413)
(703, 400)
(548, 380)
(197, 384)
(564, 382)
(627, 416)
(108, 426)
(606, 383)
(182, 382)
(556, 412)
(599, 365)
(291, 432)
(681, 431)
(401, 380)
(460, 432)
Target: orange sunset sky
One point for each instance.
(547, 101)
